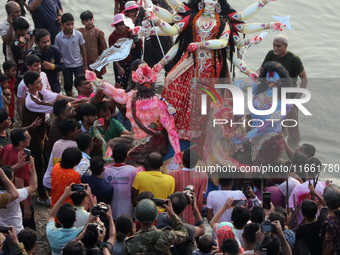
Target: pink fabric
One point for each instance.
(80, 96)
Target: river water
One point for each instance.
(315, 38)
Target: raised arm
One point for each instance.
(167, 58)
(243, 67)
(34, 5)
(215, 221)
(256, 27)
(9, 186)
(118, 95)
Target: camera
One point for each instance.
(188, 192)
(268, 227)
(94, 228)
(99, 209)
(159, 202)
(78, 187)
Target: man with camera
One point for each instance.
(149, 240)
(58, 237)
(179, 201)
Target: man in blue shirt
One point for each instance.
(51, 58)
(45, 14)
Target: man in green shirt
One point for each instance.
(295, 68)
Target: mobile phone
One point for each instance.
(4, 229)
(266, 200)
(78, 187)
(245, 187)
(27, 154)
(159, 202)
(239, 202)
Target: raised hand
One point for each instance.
(192, 47)
(178, 158)
(277, 26)
(253, 76)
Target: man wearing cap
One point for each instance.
(150, 240)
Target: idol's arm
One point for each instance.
(167, 58)
(166, 15)
(168, 123)
(256, 27)
(251, 10)
(118, 95)
(243, 67)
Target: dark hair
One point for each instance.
(97, 165)
(124, 225)
(28, 237)
(102, 106)
(280, 209)
(67, 126)
(70, 158)
(30, 77)
(59, 106)
(3, 115)
(299, 159)
(230, 246)
(178, 201)
(91, 236)
(119, 152)
(66, 17)
(66, 215)
(78, 80)
(190, 158)
(225, 181)
(272, 244)
(277, 216)
(309, 149)
(133, 67)
(272, 66)
(74, 247)
(240, 216)
(249, 232)
(8, 65)
(32, 59)
(41, 33)
(17, 135)
(309, 209)
(83, 141)
(155, 160)
(257, 181)
(8, 172)
(145, 194)
(77, 198)
(313, 163)
(86, 110)
(205, 244)
(257, 214)
(20, 24)
(3, 77)
(86, 15)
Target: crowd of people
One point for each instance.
(100, 207)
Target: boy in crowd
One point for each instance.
(121, 68)
(28, 238)
(51, 58)
(85, 144)
(5, 123)
(10, 69)
(87, 116)
(95, 42)
(33, 63)
(20, 43)
(71, 44)
(240, 216)
(3, 87)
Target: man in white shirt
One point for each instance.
(217, 198)
(33, 63)
(12, 215)
(78, 200)
(6, 27)
(85, 144)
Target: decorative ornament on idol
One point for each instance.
(200, 5)
(218, 7)
(256, 40)
(284, 21)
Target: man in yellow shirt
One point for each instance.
(161, 185)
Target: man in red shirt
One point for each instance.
(10, 154)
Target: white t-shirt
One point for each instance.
(238, 233)
(292, 183)
(22, 88)
(121, 179)
(12, 216)
(82, 216)
(34, 104)
(217, 198)
(55, 157)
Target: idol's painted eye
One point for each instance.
(141, 77)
